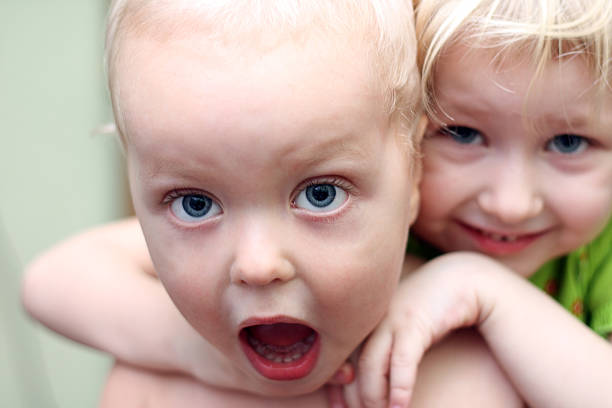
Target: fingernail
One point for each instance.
(344, 375)
(340, 377)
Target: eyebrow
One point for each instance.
(345, 155)
(577, 118)
(335, 149)
(574, 117)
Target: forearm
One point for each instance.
(98, 288)
(552, 358)
(460, 371)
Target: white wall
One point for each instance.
(56, 178)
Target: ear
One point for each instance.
(417, 168)
(418, 139)
(413, 206)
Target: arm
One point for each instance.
(535, 341)
(460, 371)
(99, 288)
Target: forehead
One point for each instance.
(564, 90)
(191, 89)
(192, 62)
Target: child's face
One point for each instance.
(273, 194)
(521, 177)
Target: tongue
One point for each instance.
(280, 334)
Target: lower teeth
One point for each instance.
(282, 354)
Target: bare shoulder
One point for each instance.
(130, 387)
(461, 371)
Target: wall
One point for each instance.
(57, 176)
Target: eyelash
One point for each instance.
(174, 194)
(333, 180)
(447, 131)
(587, 140)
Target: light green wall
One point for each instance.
(56, 178)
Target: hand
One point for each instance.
(334, 389)
(439, 297)
(344, 396)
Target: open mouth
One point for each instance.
(281, 351)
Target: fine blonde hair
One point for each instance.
(385, 27)
(541, 30)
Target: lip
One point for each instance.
(500, 243)
(297, 368)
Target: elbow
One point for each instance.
(34, 297)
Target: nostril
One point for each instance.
(511, 208)
(260, 274)
(252, 282)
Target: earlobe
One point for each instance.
(413, 206)
(420, 131)
(417, 169)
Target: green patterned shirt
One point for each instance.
(582, 282)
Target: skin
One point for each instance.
(508, 176)
(492, 302)
(151, 333)
(503, 173)
(486, 295)
(251, 130)
(129, 386)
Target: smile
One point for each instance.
(495, 243)
(281, 351)
(499, 237)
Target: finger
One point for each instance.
(408, 349)
(335, 396)
(374, 368)
(344, 375)
(351, 395)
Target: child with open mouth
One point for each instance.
(271, 159)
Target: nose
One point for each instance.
(259, 257)
(511, 194)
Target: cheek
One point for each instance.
(582, 201)
(201, 304)
(191, 280)
(442, 183)
(438, 195)
(357, 294)
(584, 218)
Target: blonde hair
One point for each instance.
(386, 28)
(542, 30)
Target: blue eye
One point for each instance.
(463, 134)
(567, 144)
(194, 207)
(321, 197)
